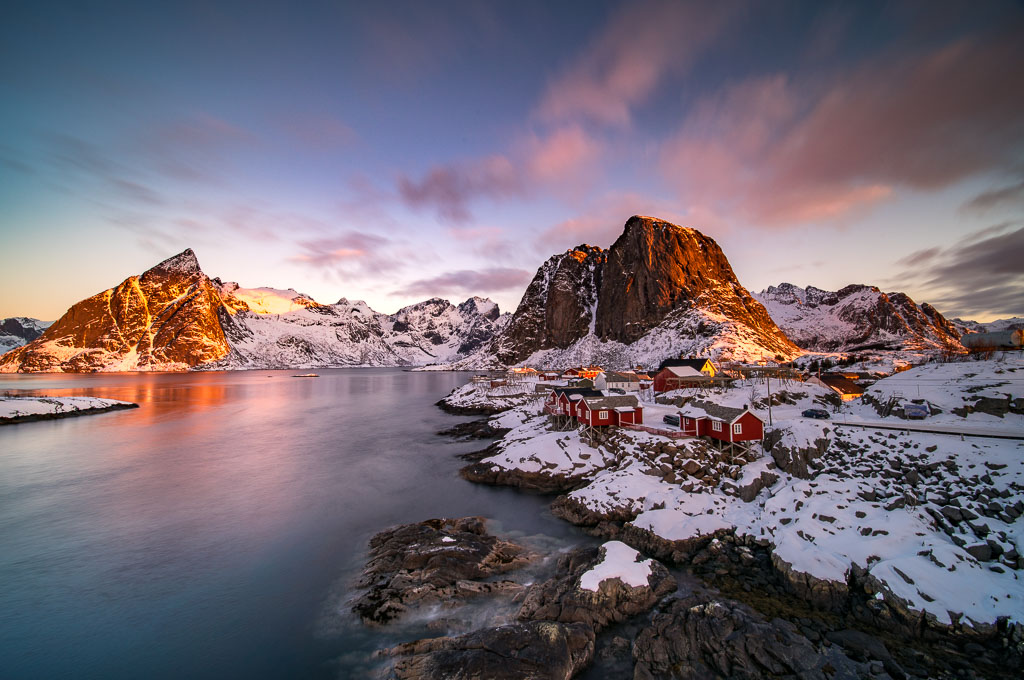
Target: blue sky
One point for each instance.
(400, 151)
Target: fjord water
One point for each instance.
(215, 531)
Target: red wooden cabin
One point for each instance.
(629, 415)
(723, 423)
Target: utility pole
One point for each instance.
(768, 380)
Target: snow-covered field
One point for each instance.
(19, 407)
(935, 519)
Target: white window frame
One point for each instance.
(737, 428)
(716, 425)
(603, 415)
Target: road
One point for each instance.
(935, 428)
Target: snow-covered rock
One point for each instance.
(857, 317)
(16, 331)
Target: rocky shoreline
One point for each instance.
(749, 588)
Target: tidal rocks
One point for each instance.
(474, 429)
(539, 650)
(439, 560)
(471, 409)
(564, 598)
(484, 472)
(695, 638)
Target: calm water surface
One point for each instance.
(214, 531)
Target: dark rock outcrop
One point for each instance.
(484, 472)
(538, 650)
(696, 638)
(556, 309)
(439, 560)
(561, 598)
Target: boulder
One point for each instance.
(561, 598)
(696, 638)
(439, 560)
(538, 650)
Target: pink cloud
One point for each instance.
(468, 282)
(565, 159)
(450, 188)
(603, 222)
(564, 153)
(770, 153)
(641, 45)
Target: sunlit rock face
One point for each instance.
(173, 317)
(661, 289)
(857, 317)
(165, 319)
(656, 268)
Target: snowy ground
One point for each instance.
(482, 395)
(18, 407)
(935, 519)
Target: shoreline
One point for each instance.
(56, 415)
(746, 568)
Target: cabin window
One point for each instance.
(716, 426)
(604, 415)
(737, 428)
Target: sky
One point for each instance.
(396, 151)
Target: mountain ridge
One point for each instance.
(658, 291)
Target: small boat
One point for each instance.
(306, 375)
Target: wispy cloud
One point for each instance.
(563, 160)
(1010, 195)
(468, 282)
(642, 44)
(774, 152)
(449, 189)
(979, 277)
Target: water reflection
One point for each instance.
(207, 532)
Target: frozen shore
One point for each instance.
(25, 409)
(911, 533)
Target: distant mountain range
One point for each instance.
(19, 330)
(857, 318)
(659, 291)
(174, 317)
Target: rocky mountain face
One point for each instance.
(16, 331)
(166, 319)
(558, 307)
(857, 317)
(661, 289)
(174, 317)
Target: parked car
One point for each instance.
(616, 390)
(819, 413)
(671, 419)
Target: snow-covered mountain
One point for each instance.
(1012, 324)
(352, 334)
(174, 317)
(659, 291)
(16, 331)
(857, 317)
